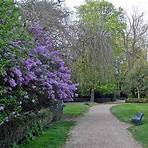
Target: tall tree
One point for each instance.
(134, 42)
(135, 38)
(99, 25)
(136, 82)
(52, 16)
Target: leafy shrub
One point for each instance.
(31, 71)
(14, 43)
(24, 127)
(43, 72)
(136, 100)
(35, 130)
(106, 89)
(136, 82)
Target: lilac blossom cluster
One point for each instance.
(42, 70)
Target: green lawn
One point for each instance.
(125, 112)
(54, 137)
(76, 109)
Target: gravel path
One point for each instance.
(100, 129)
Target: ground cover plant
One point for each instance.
(125, 112)
(54, 137)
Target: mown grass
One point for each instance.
(76, 109)
(124, 112)
(54, 137)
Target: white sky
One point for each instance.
(127, 5)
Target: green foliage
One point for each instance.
(104, 15)
(9, 16)
(90, 77)
(94, 68)
(86, 75)
(106, 89)
(35, 130)
(14, 146)
(12, 31)
(136, 100)
(125, 112)
(3, 115)
(10, 105)
(137, 79)
(54, 137)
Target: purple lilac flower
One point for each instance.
(29, 77)
(17, 71)
(29, 63)
(12, 83)
(43, 69)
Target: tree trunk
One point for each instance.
(92, 95)
(138, 93)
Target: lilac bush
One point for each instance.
(42, 71)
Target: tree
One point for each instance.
(109, 19)
(134, 37)
(52, 16)
(104, 15)
(134, 45)
(94, 61)
(136, 83)
(99, 25)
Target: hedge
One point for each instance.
(18, 128)
(136, 100)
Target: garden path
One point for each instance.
(98, 128)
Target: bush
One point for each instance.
(106, 89)
(136, 100)
(13, 39)
(16, 127)
(23, 126)
(41, 73)
(82, 99)
(30, 74)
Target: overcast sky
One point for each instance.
(127, 5)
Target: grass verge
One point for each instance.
(124, 112)
(76, 109)
(54, 137)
